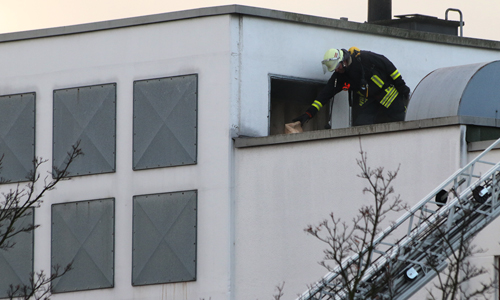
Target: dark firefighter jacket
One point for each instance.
(382, 82)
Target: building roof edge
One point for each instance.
(255, 12)
(244, 142)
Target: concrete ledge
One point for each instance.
(255, 12)
(481, 146)
(243, 142)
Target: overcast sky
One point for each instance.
(481, 17)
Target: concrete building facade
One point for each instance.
(183, 193)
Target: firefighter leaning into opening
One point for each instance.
(378, 93)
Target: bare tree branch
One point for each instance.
(39, 286)
(344, 241)
(452, 281)
(350, 250)
(279, 289)
(17, 204)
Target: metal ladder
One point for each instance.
(420, 234)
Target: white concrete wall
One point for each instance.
(294, 49)
(122, 56)
(257, 200)
(283, 188)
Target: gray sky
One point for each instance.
(480, 16)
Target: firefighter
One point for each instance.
(378, 92)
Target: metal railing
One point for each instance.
(461, 19)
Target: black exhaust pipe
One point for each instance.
(379, 10)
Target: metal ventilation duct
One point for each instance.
(469, 90)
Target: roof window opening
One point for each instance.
(290, 97)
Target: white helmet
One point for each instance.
(331, 59)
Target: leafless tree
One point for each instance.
(279, 291)
(452, 282)
(18, 203)
(453, 279)
(344, 240)
(38, 287)
(350, 250)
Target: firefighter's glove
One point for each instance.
(303, 118)
(405, 91)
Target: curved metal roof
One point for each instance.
(469, 90)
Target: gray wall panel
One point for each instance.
(17, 135)
(86, 114)
(165, 122)
(164, 238)
(16, 263)
(83, 233)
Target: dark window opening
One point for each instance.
(481, 133)
(289, 98)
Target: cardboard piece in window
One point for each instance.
(293, 127)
